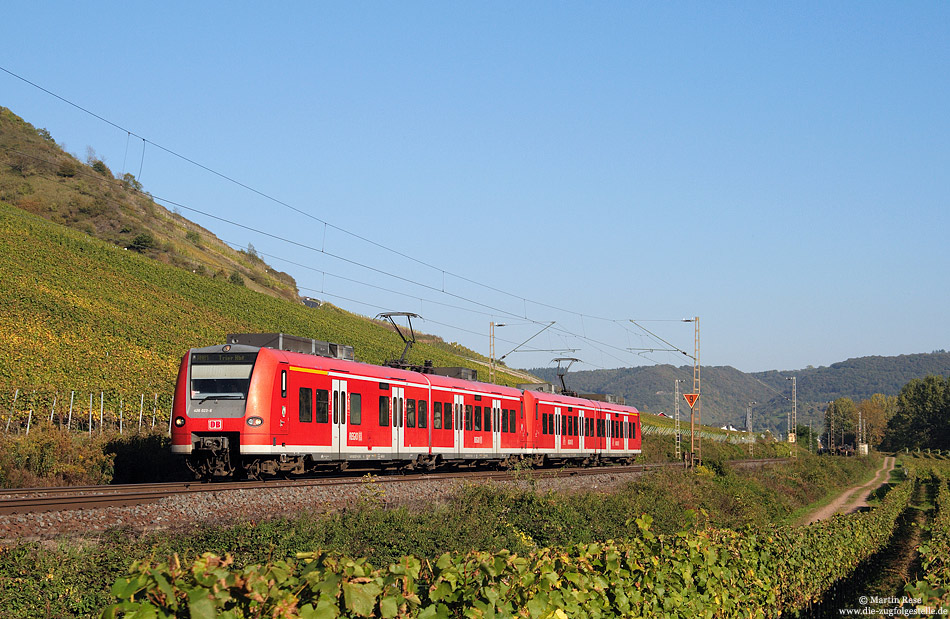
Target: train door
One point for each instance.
(459, 406)
(557, 429)
(608, 421)
(495, 426)
(581, 430)
(338, 418)
(399, 399)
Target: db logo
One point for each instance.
(215, 424)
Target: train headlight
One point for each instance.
(179, 422)
(254, 421)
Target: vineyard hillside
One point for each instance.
(81, 313)
(39, 176)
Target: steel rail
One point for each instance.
(27, 500)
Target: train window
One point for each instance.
(323, 401)
(447, 416)
(306, 404)
(477, 426)
(384, 411)
(544, 424)
(468, 417)
(423, 413)
(356, 409)
(511, 422)
(336, 407)
(283, 383)
(478, 398)
(488, 413)
(384, 386)
(216, 375)
(504, 420)
(437, 415)
(410, 413)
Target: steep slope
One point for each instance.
(79, 313)
(38, 176)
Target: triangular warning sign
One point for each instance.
(691, 398)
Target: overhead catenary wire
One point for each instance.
(495, 310)
(282, 239)
(146, 141)
(275, 200)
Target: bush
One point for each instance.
(142, 242)
(48, 456)
(99, 166)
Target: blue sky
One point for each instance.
(778, 169)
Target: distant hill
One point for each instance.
(38, 176)
(727, 391)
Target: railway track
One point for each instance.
(29, 500)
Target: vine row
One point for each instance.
(705, 573)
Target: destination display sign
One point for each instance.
(219, 358)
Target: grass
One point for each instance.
(863, 474)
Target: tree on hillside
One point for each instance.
(874, 415)
(841, 416)
(807, 437)
(922, 419)
(142, 242)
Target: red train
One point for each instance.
(251, 411)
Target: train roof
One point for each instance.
(384, 373)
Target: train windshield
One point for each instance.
(221, 376)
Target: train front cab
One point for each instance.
(219, 392)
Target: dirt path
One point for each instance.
(852, 498)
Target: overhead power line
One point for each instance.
(275, 200)
(327, 224)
